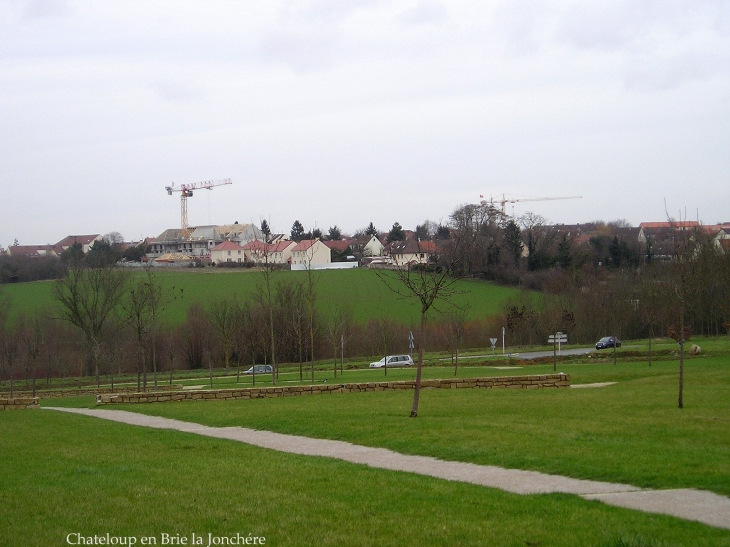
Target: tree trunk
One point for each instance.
(614, 349)
(456, 359)
(273, 352)
(154, 361)
(681, 357)
(417, 388)
(650, 336)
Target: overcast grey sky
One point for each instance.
(350, 111)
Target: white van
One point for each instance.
(393, 361)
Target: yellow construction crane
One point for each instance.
(505, 200)
(186, 191)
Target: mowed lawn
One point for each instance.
(362, 290)
(631, 432)
(65, 474)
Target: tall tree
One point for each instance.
(88, 298)
(371, 230)
(266, 230)
(266, 295)
(396, 233)
(513, 241)
(334, 233)
(292, 300)
(222, 314)
(102, 254)
(142, 305)
(8, 341)
(297, 231)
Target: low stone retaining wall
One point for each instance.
(19, 403)
(513, 382)
(53, 394)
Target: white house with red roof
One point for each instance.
(310, 252)
(227, 251)
(410, 251)
(86, 242)
(260, 252)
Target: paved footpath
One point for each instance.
(706, 507)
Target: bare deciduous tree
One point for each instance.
(222, 314)
(87, 298)
(428, 284)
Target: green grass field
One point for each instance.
(65, 474)
(608, 434)
(363, 290)
(108, 477)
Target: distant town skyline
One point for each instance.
(359, 111)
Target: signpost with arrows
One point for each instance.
(557, 339)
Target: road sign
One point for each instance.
(557, 339)
(410, 340)
(494, 343)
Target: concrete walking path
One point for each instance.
(699, 505)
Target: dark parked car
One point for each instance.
(608, 342)
(260, 369)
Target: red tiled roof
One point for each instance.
(81, 240)
(304, 245)
(677, 224)
(339, 245)
(260, 246)
(411, 246)
(31, 250)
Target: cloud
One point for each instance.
(41, 9)
(424, 13)
(301, 49)
(178, 93)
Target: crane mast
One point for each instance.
(505, 200)
(186, 191)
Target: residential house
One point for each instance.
(410, 251)
(86, 242)
(722, 239)
(33, 251)
(260, 252)
(227, 251)
(365, 245)
(310, 252)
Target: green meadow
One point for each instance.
(360, 289)
(65, 474)
(630, 432)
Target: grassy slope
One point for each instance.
(362, 289)
(105, 477)
(630, 432)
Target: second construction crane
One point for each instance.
(186, 191)
(505, 200)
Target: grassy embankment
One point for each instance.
(362, 290)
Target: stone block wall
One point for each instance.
(19, 403)
(55, 393)
(504, 382)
